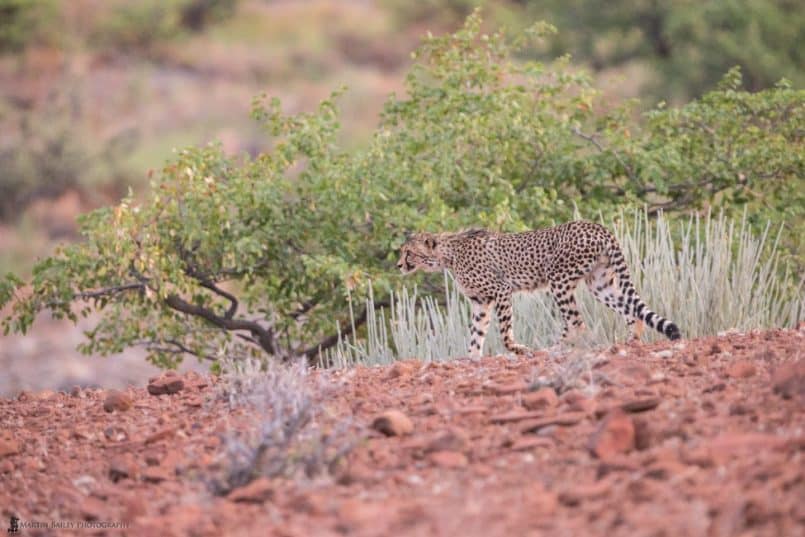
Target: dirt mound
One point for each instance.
(695, 438)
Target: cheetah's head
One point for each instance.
(421, 252)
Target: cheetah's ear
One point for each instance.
(430, 242)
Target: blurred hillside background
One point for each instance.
(96, 94)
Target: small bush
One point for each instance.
(289, 435)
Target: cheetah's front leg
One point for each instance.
(480, 324)
(503, 309)
(563, 295)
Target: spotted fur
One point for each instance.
(489, 267)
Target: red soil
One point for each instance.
(706, 438)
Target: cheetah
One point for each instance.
(489, 267)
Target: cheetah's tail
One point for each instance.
(634, 305)
(661, 324)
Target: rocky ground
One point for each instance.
(702, 437)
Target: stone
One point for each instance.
(531, 442)
(742, 369)
(542, 399)
(632, 406)
(162, 434)
(393, 423)
(517, 415)
(194, 402)
(92, 509)
(116, 433)
(540, 501)
(615, 434)
(354, 513)
(9, 446)
(578, 494)
(134, 506)
(258, 491)
(578, 402)
(453, 439)
(508, 389)
(122, 467)
(404, 368)
(788, 380)
(733, 443)
(168, 383)
(566, 419)
(448, 459)
(156, 474)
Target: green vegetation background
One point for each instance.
(313, 198)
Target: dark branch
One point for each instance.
(591, 139)
(233, 302)
(106, 291)
(264, 336)
(177, 348)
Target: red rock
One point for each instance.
(471, 409)
(194, 402)
(508, 389)
(542, 399)
(578, 402)
(788, 380)
(6, 467)
(641, 405)
(454, 439)
(92, 509)
(115, 433)
(161, 435)
(404, 368)
(518, 415)
(578, 494)
(134, 506)
(566, 419)
(539, 501)
(156, 474)
(615, 434)
(354, 513)
(632, 406)
(666, 469)
(258, 491)
(730, 443)
(531, 442)
(448, 459)
(742, 369)
(356, 472)
(9, 446)
(121, 467)
(168, 383)
(393, 423)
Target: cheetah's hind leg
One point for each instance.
(603, 282)
(636, 330)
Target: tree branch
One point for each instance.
(233, 302)
(591, 139)
(264, 336)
